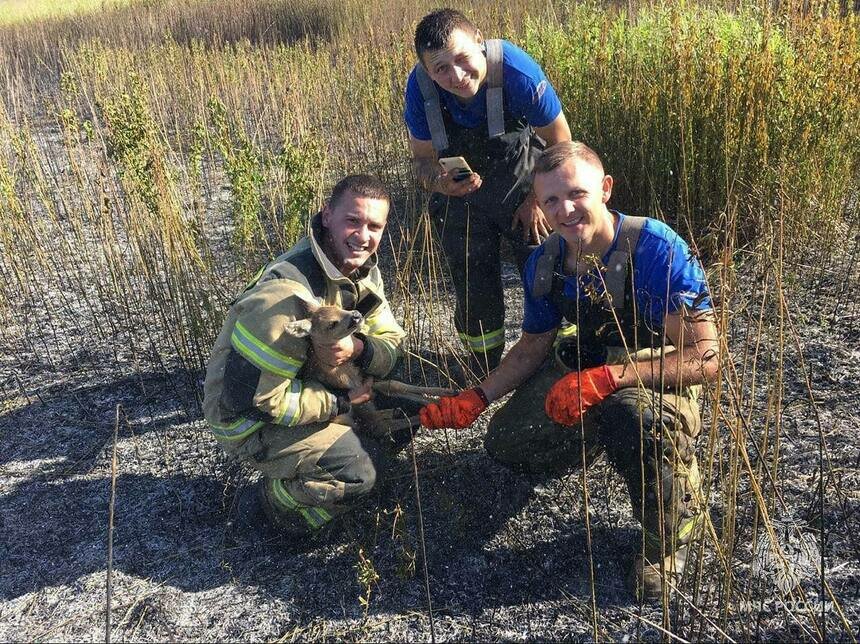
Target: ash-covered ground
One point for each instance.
(507, 556)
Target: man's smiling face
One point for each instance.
(354, 227)
(573, 197)
(460, 67)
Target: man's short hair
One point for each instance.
(435, 29)
(361, 185)
(557, 154)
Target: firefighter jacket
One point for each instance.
(255, 373)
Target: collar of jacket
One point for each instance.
(315, 236)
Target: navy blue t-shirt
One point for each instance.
(527, 94)
(662, 263)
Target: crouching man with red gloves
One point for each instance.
(625, 382)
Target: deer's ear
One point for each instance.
(298, 328)
(306, 308)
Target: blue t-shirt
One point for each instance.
(662, 263)
(527, 94)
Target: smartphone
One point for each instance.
(456, 166)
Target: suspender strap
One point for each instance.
(432, 109)
(620, 260)
(495, 99)
(546, 264)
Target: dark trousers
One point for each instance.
(471, 230)
(649, 439)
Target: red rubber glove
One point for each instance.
(457, 412)
(592, 385)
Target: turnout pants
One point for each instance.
(471, 230)
(316, 472)
(649, 439)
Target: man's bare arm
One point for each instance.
(696, 360)
(519, 364)
(556, 131)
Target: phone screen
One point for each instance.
(457, 167)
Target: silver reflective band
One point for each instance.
(495, 100)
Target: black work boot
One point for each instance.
(247, 521)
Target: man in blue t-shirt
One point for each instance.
(626, 383)
(489, 102)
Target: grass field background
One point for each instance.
(23, 11)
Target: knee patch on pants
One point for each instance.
(654, 450)
(342, 473)
(347, 462)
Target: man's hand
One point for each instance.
(361, 394)
(456, 412)
(536, 228)
(428, 172)
(573, 394)
(448, 185)
(340, 352)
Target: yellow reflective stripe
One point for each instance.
(240, 428)
(314, 516)
(321, 516)
(291, 404)
(483, 343)
(567, 330)
(378, 326)
(564, 332)
(262, 355)
(688, 528)
(374, 326)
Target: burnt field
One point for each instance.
(507, 556)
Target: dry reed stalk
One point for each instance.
(423, 542)
(109, 576)
(710, 117)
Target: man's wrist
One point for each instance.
(482, 395)
(619, 374)
(357, 347)
(427, 171)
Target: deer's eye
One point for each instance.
(332, 325)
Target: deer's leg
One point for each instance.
(414, 393)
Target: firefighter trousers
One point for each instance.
(316, 472)
(648, 438)
(471, 230)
